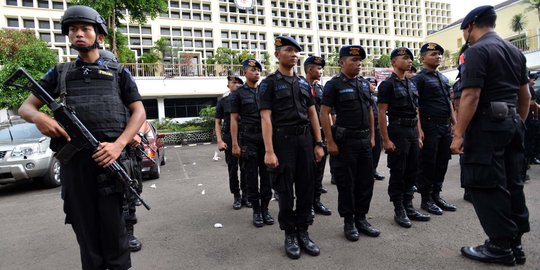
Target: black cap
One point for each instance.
(315, 60)
(371, 80)
(413, 69)
(533, 76)
(250, 62)
(281, 41)
(235, 77)
(477, 13)
(401, 51)
(353, 50)
(431, 47)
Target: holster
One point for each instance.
(498, 110)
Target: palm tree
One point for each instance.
(534, 5)
(518, 23)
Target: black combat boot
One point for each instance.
(490, 252)
(365, 227)
(292, 249)
(267, 218)
(245, 202)
(429, 205)
(444, 205)
(414, 214)
(237, 204)
(349, 229)
(400, 216)
(519, 254)
(319, 208)
(134, 244)
(307, 244)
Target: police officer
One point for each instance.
(134, 168)
(224, 142)
(313, 67)
(436, 117)
(533, 129)
(350, 140)
(106, 100)
(376, 151)
(287, 109)
(411, 72)
(251, 146)
(402, 137)
(489, 135)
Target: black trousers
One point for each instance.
(376, 151)
(532, 142)
(293, 178)
(95, 216)
(233, 163)
(490, 168)
(434, 157)
(353, 168)
(403, 162)
(319, 176)
(132, 163)
(259, 193)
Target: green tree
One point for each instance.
(518, 23)
(163, 46)
(245, 55)
(226, 56)
(149, 57)
(333, 59)
(139, 11)
(207, 115)
(534, 5)
(383, 61)
(124, 54)
(22, 49)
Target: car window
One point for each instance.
(20, 132)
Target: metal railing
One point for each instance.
(526, 44)
(161, 70)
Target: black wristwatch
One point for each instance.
(320, 143)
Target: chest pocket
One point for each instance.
(401, 97)
(284, 99)
(305, 96)
(349, 101)
(249, 105)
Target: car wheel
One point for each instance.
(52, 178)
(155, 171)
(163, 161)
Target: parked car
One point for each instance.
(155, 149)
(25, 154)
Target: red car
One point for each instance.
(155, 149)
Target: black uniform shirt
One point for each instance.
(223, 111)
(350, 100)
(495, 66)
(244, 102)
(433, 94)
(287, 97)
(400, 95)
(129, 92)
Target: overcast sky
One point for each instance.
(460, 8)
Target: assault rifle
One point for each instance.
(81, 138)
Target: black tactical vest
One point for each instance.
(93, 93)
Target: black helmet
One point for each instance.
(83, 14)
(108, 56)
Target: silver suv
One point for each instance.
(25, 153)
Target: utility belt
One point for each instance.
(436, 120)
(251, 129)
(340, 133)
(292, 130)
(496, 110)
(404, 122)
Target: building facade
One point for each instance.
(196, 28)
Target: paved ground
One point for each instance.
(192, 195)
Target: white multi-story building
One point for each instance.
(198, 27)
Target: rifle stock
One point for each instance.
(81, 138)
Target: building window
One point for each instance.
(186, 107)
(208, 33)
(44, 24)
(11, 2)
(151, 108)
(28, 3)
(57, 5)
(134, 30)
(43, 3)
(12, 22)
(29, 23)
(146, 30)
(209, 44)
(45, 37)
(59, 38)
(165, 31)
